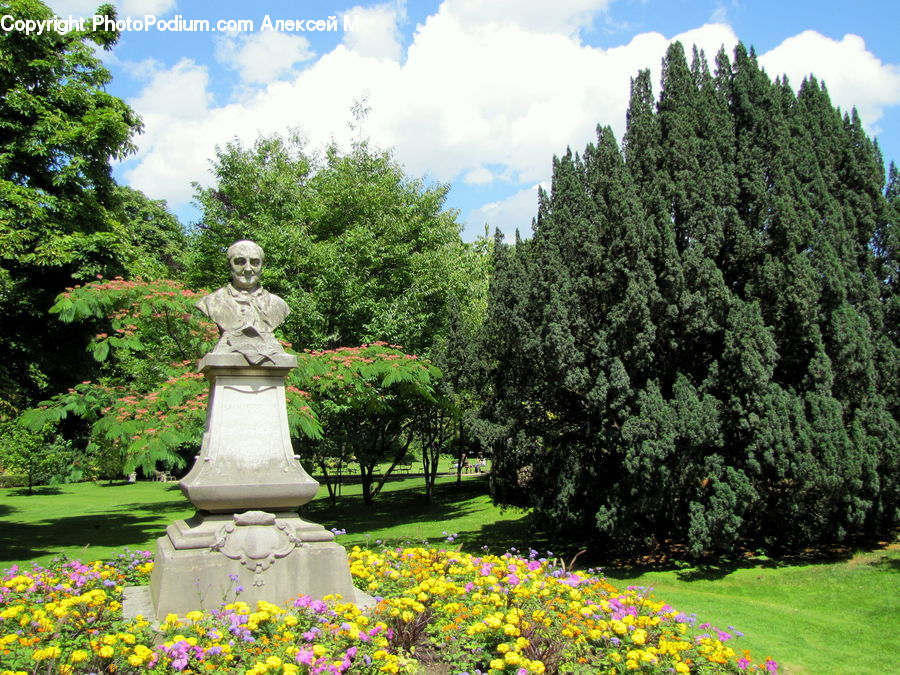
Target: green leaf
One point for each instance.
(101, 350)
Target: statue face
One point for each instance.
(246, 265)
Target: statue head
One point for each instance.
(245, 258)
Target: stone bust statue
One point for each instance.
(245, 313)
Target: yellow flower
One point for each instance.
(50, 652)
(127, 638)
(639, 636)
(195, 615)
(513, 658)
(498, 664)
(106, 652)
(78, 656)
(511, 630)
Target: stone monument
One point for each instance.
(246, 482)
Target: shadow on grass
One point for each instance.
(407, 507)
(139, 523)
(712, 570)
(887, 564)
(36, 491)
(502, 536)
(174, 506)
(398, 507)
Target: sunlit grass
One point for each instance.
(830, 617)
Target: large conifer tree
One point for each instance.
(700, 342)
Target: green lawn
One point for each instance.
(834, 617)
(95, 521)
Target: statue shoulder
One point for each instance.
(278, 307)
(208, 303)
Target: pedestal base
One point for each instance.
(209, 560)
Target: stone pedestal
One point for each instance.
(246, 459)
(246, 484)
(212, 559)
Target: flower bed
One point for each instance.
(439, 611)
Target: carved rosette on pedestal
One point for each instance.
(247, 484)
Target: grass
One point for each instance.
(96, 521)
(825, 617)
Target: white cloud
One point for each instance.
(125, 8)
(709, 38)
(483, 101)
(182, 127)
(719, 14)
(468, 96)
(540, 16)
(177, 93)
(378, 32)
(854, 76)
(508, 215)
(263, 56)
(479, 176)
(174, 105)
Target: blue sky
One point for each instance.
(479, 94)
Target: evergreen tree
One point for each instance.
(699, 343)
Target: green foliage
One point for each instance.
(37, 457)
(367, 399)
(155, 237)
(699, 344)
(149, 405)
(360, 252)
(59, 130)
